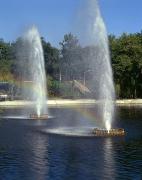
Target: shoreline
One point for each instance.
(68, 103)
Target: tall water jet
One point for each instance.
(93, 34)
(31, 55)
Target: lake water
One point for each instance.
(28, 152)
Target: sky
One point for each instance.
(54, 18)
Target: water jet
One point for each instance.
(93, 35)
(32, 54)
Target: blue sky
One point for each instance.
(54, 18)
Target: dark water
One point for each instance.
(28, 152)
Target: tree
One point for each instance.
(126, 54)
(51, 56)
(70, 57)
(5, 61)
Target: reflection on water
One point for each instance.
(28, 153)
(109, 163)
(39, 159)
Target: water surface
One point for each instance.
(27, 152)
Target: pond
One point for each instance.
(28, 151)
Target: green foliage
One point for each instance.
(71, 57)
(5, 61)
(71, 61)
(126, 54)
(51, 56)
(53, 87)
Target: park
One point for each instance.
(70, 99)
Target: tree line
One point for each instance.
(71, 61)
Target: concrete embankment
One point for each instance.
(68, 102)
(127, 102)
(51, 103)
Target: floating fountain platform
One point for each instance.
(111, 132)
(41, 117)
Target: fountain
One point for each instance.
(35, 70)
(93, 34)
